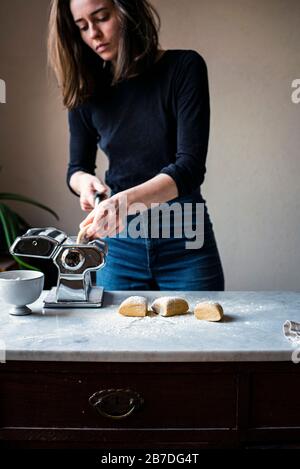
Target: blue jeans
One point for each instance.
(160, 263)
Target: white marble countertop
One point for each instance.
(251, 331)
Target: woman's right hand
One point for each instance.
(88, 185)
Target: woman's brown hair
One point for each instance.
(77, 67)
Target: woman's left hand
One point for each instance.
(107, 218)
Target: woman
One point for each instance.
(148, 110)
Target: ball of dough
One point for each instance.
(170, 306)
(133, 306)
(209, 311)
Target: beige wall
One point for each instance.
(252, 49)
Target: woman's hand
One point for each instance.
(108, 218)
(87, 185)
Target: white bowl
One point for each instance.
(19, 288)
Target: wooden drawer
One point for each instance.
(275, 399)
(190, 405)
(49, 395)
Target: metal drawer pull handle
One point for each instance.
(116, 403)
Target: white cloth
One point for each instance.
(291, 330)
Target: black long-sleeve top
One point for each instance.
(155, 122)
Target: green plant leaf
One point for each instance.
(21, 198)
(13, 224)
(5, 224)
(9, 221)
(24, 264)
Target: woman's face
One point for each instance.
(99, 26)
